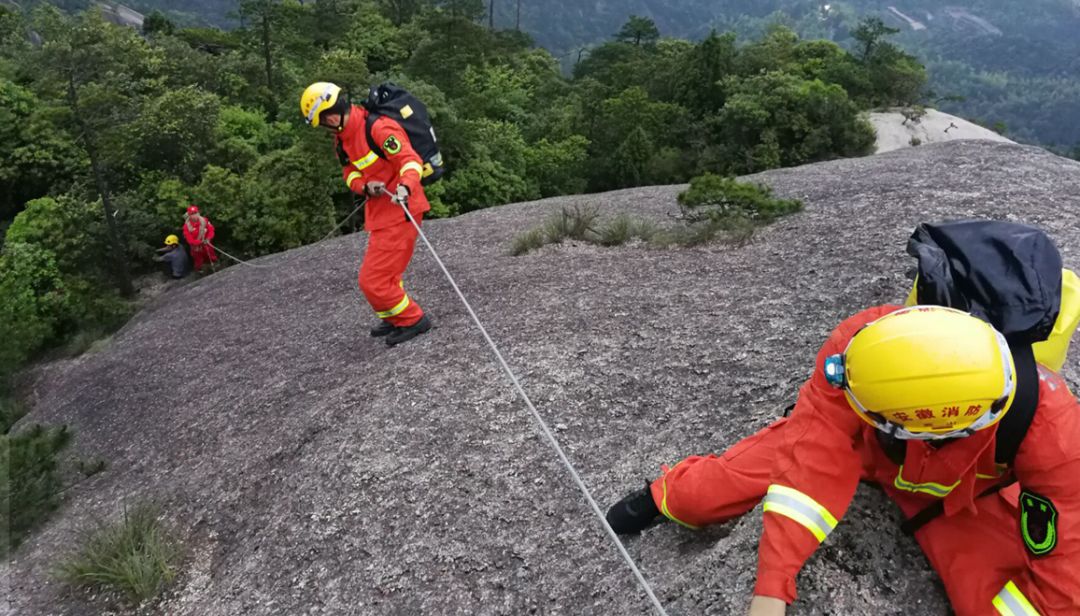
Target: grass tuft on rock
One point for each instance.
(134, 558)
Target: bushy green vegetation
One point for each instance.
(107, 134)
(713, 207)
(712, 197)
(29, 479)
(134, 558)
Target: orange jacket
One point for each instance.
(829, 448)
(402, 165)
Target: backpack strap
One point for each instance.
(1015, 424)
(1010, 432)
(371, 118)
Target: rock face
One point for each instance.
(312, 470)
(893, 133)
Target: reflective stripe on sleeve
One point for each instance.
(794, 504)
(1011, 602)
(355, 175)
(396, 310)
(366, 161)
(412, 165)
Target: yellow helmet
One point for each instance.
(926, 372)
(172, 240)
(317, 98)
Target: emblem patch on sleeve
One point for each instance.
(1038, 523)
(391, 146)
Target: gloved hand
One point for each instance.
(374, 189)
(402, 193)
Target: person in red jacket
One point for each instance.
(386, 182)
(199, 232)
(919, 400)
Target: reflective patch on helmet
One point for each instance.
(1038, 523)
(391, 146)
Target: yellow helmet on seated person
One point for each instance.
(926, 372)
(172, 240)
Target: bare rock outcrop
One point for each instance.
(312, 470)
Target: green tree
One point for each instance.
(36, 156)
(638, 31)
(699, 84)
(157, 23)
(173, 131)
(32, 296)
(376, 40)
(632, 114)
(99, 72)
(557, 168)
(401, 11)
(471, 10)
(497, 93)
(778, 119)
(870, 33)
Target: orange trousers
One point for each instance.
(389, 251)
(203, 254)
(973, 553)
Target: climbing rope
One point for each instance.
(346, 219)
(332, 231)
(536, 415)
(240, 261)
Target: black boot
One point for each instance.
(382, 329)
(634, 513)
(402, 334)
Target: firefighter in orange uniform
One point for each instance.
(977, 444)
(198, 231)
(392, 237)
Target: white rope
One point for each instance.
(332, 231)
(345, 220)
(536, 415)
(240, 261)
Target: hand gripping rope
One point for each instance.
(536, 415)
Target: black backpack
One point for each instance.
(396, 103)
(1010, 275)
